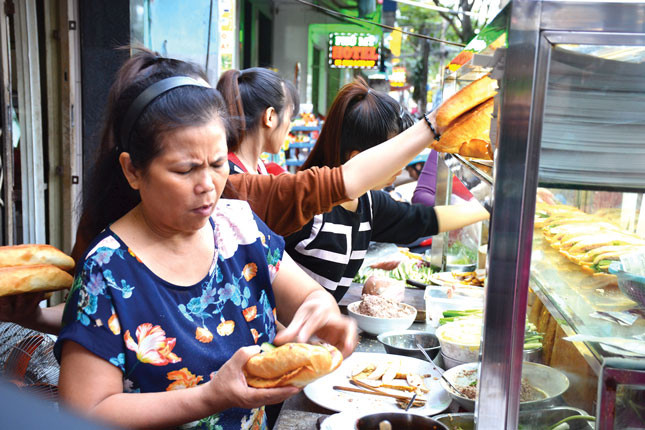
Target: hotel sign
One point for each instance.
(353, 50)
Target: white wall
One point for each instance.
(290, 34)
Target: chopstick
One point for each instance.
(374, 389)
(374, 392)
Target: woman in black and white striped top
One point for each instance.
(332, 246)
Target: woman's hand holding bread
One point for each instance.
(237, 392)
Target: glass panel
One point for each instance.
(593, 150)
(577, 235)
(630, 407)
(594, 130)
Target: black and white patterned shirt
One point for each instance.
(332, 246)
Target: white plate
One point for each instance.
(341, 421)
(322, 392)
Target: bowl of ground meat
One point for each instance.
(541, 386)
(376, 314)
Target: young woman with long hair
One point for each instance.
(261, 105)
(331, 247)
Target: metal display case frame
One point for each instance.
(533, 27)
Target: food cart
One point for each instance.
(568, 119)
(568, 127)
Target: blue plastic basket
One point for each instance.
(631, 285)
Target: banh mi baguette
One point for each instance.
(28, 279)
(563, 220)
(583, 244)
(473, 125)
(294, 364)
(602, 261)
(29, 255)
(566, 231)
(464, 100)
(589, 257)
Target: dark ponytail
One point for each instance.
(250, 92)
(230, 90)
(358, 119)
(109, 196)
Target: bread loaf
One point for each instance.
(470, 133)
(477, 148)
(28, 279)
(29, 255)
(294, 364)
(464, 100)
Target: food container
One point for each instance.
(460, 339)
(442, 298)
(449, 363)
(376, 326)
(461, 267)
(404, 342)
(399, 421)
(548, 380)
(533, 355)
(537, 419)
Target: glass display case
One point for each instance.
(569, 138)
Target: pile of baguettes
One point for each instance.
(593, 241)
(33, 268)
(465, 118)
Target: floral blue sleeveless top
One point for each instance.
(168, 337)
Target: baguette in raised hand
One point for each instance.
(32, 254)
(470, 134)
(464, 100)
(28, 279)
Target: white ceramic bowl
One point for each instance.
(377, 326)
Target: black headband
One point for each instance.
(147, 96)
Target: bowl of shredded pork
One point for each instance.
(376, 314)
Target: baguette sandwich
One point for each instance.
(36, 278)
(33, 254)
(464, 100)
(469, 135)
(295, 364)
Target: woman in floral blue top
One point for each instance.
(181, 286)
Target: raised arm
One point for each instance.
(287, 202)
(367, 169)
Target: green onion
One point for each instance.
(266, 347)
